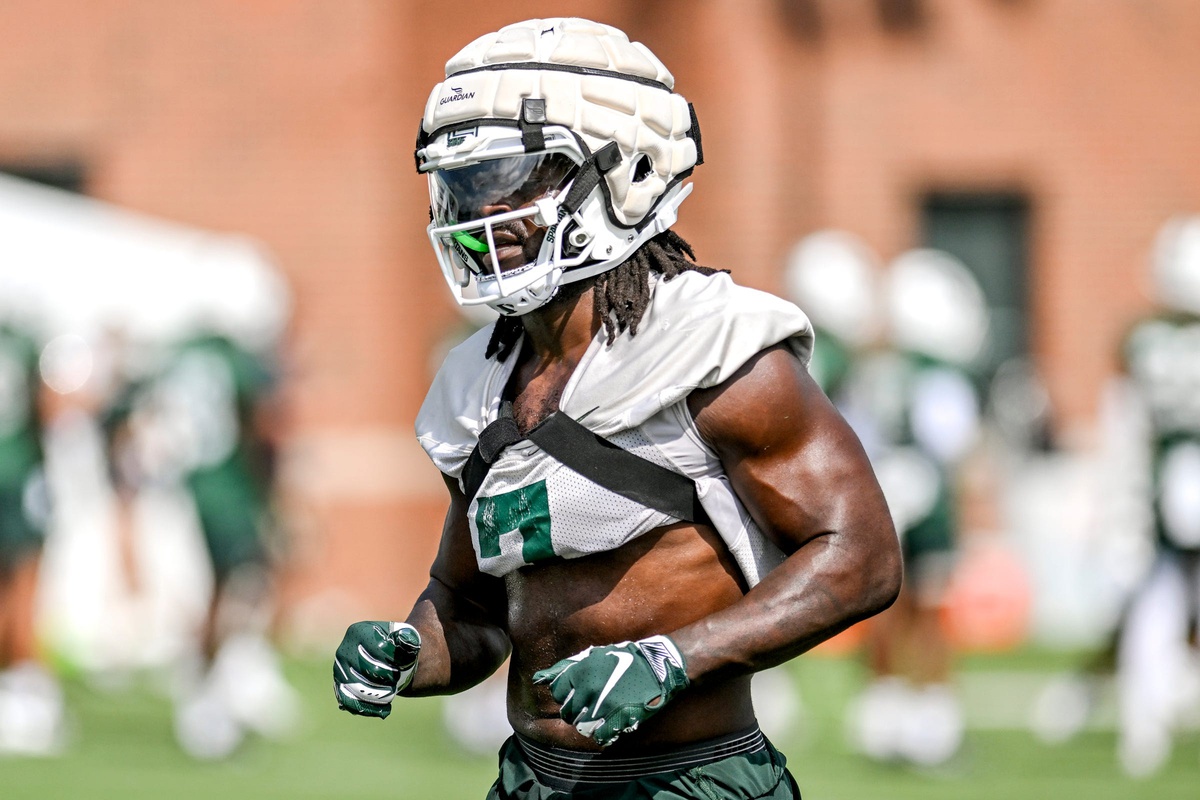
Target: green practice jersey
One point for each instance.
(1162, 356)
(210, 394)
(20, 422)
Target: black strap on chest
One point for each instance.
(593, 457)
(492, 441)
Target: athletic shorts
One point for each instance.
(739, 766)
(232, 534)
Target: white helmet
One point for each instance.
(554, 148)
(834, 276)
(935, 307)
(1176, 264)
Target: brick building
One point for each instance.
(1045, 140)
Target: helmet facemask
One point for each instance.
(510, 226)
(496, 224)
(534, 97)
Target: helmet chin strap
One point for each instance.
(530, 298)
(543, 291)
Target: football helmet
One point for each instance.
(554, 149)
(1176, 264)
(935, 307)
(834, 276)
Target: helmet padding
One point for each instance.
(595, 82)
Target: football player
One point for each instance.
(31, 701)
(1156, 667)
(924, 419)
(650, 498)
(216, 406)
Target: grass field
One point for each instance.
(123, 749)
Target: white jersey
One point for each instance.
(697, 331)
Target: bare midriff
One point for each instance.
(659, 582)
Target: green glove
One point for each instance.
(374, 662)
(610, 690)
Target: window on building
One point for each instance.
(989, 233)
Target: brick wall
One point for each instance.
(293, 122)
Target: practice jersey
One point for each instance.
(1162, 356)
(917, 419)
(20, 422)
(697, 331)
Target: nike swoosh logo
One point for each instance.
(624, 662)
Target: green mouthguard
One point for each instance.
(470, 242)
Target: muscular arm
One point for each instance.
(804, 478)
(460, 615)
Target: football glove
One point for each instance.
(375, 661)
(607, 691)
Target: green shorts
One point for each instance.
(232, 535)
(741, 766)
(232, 510)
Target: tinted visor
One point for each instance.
(497, 185)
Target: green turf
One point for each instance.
(123, 749)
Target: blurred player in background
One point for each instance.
(919, 418)
(31, 701)
(835, 276)
(212, 409)
(1158, 671)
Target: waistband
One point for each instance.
(563, 769)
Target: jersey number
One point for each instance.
(525, 511)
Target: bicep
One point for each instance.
(793, 461)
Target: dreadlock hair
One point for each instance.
(622, 294)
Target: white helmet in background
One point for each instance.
(935, 307)
(1176, 264)
(834, 277)
(554, 148)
